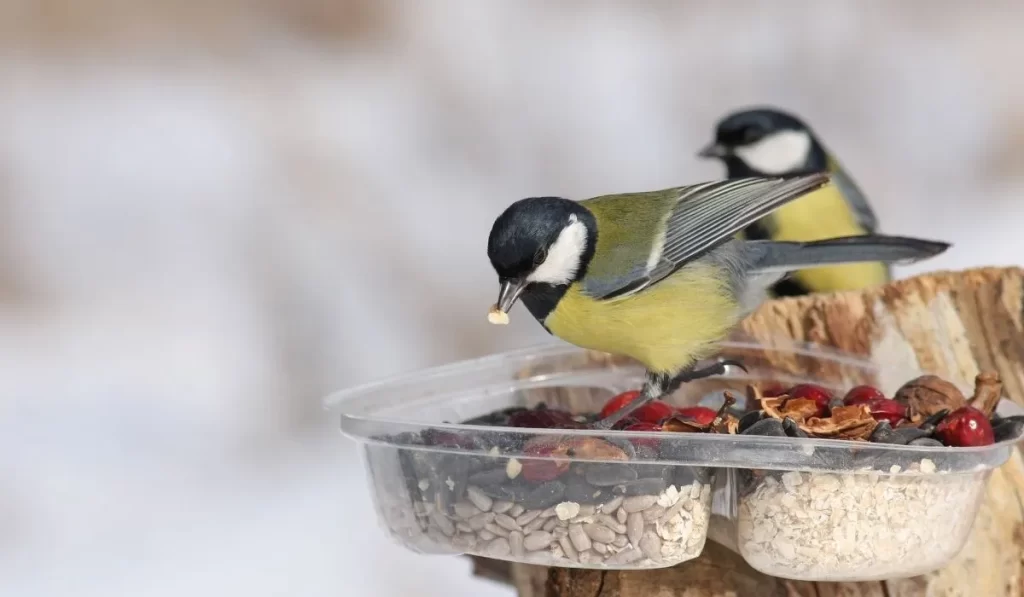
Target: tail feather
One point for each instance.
(788, 256)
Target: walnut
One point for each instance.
(988, 389)
(927, 395)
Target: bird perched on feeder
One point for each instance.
(660, 276)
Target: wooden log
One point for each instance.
(950, 324)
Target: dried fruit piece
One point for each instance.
(702, 415)
(722, 422)
(592, 448)
(680, 425)
(883, 409)
(550, 456)
(846, 422)
(543, 469)
(617, 402)
(729, 425)
(965, 427)
(815, 393)
(655, 411)
(798, 409)
(988, 389)
(927, 395)
(862, 395)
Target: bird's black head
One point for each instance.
(538, 246)
(765, 141)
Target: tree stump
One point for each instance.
(950, 324)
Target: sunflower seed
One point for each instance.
(501, 507)
(506, 522)
(528, 517)
(612, 505)
(481, 501)
(538, 540)
(516, 542)
(635, 527)
(567, 548)
(580, 539)
(599, 532)
(637, 503)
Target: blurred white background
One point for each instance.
(214, 213)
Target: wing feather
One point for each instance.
(702, 217)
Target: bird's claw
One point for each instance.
(718, 368)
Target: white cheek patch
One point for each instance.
(564, 255)
(778, 153)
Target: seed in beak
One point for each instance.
(497, 316)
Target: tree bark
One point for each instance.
(950, 324)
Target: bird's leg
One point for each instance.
(654, 388)
(719, 367)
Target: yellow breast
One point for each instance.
(666, 327)
(818, 216)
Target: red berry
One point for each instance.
(537, 470)
(541, 418)
(618, 402)
(644, 426)
(883, 409)
(862, 395)
(818, 394)
(701, 415)
(965, 427)
(655, 411)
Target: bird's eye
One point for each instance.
(540, 256)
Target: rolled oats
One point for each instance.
(866, 525)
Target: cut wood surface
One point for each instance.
(950, 324)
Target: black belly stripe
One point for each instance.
(541, 299)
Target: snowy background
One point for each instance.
(214, 213)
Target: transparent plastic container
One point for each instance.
(809, 509)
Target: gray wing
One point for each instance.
(709, 214)
(854, 197)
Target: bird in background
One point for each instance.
(660, 276)
(769, 142)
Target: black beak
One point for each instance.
(714, 150)
(509, 293)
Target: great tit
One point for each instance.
(769, 142)
(660, 276)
